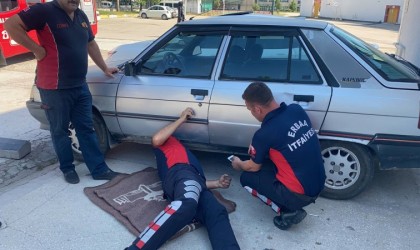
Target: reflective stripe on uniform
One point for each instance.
(193, 190)
(157, 223)
(264, 199)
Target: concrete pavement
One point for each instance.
(43, 212)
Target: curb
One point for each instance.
(117, 16)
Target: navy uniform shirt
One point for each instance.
(287, 137)
(65, 41)
(171, 153)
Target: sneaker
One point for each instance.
(71, 177)
(285, 220)
(107, 175)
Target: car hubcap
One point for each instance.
(342, 167)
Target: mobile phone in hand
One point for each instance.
(230, 158)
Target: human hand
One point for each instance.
(236, 163)
(40, 53)
(224, 181)
(110, 71)
(187, 114)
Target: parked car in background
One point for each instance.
(174, 12)
(106, 4)
(364, 104)
(157, 11)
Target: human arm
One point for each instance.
(17, 31)
(162, 135)
(222, 182)
(95, 54)
(248, 165)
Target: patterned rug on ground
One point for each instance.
(136, 199)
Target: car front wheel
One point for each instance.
(143, 15)
(101, 134)
(164, 17)
(349, 169)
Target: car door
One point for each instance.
(277, 57)
(151, 12)
(174, 74)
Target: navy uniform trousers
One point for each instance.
(190, 200)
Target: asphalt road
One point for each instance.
(384, 216)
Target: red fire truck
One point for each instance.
(8, 8)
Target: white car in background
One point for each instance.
(106, 4)
(157, 11)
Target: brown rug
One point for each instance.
(136, 199)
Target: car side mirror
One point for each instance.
(130, 68)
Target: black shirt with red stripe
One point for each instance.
(65, 41)
(287, 137)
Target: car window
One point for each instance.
(268, 58)
(186, 55)
(386, 66)
(7, 5)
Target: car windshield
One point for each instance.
(385, 65)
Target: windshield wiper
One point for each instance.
(411, 66)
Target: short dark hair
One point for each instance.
(258, 93)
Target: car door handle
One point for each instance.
(199, 94)
(303, 98)
(203, 92)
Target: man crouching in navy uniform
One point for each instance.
(294, 174)
(184, 184)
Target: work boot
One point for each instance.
(107, 175)
(71, 177)
(285, 220)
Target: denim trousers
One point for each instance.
(74, 105)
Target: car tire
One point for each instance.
(164, 17)
(349, 169)
(101, 134)
(143, 15)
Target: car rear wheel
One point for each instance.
(349, 169)
(164, 17)
(101, 134)
(143, 15)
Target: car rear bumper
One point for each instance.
(38, 113)
(396, 151)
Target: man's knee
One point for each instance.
(247, 179)
(192, 190)
(209, 208)
(187, 210)
(219, 210)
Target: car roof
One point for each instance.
(257, 19)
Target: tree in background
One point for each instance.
(278, 6)
(216, 4)
(141, 3)
(293, 6)
(255, 7)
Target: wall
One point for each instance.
(360, 10)
(192, 6)
(408, 46)
(306, 7)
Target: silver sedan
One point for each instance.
(363, 104)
